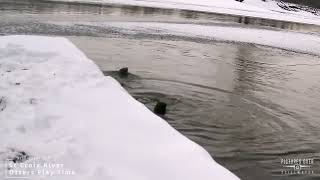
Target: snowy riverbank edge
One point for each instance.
(286, 40)
(56, 103)
(252, 8)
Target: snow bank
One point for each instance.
(58, 109)
(253, 8)
(293, 41)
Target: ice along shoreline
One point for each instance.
(243, 12)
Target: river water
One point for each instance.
(250, 106)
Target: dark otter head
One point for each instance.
(160, 108)
(123, 72)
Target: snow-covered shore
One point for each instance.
(58, 107)
(253, 8)
(292, 41)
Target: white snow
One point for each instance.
(253, 8)
(59, 108)
(293, 41)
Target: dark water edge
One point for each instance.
(311, 3)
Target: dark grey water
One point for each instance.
(311, 3)
(248, 105)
